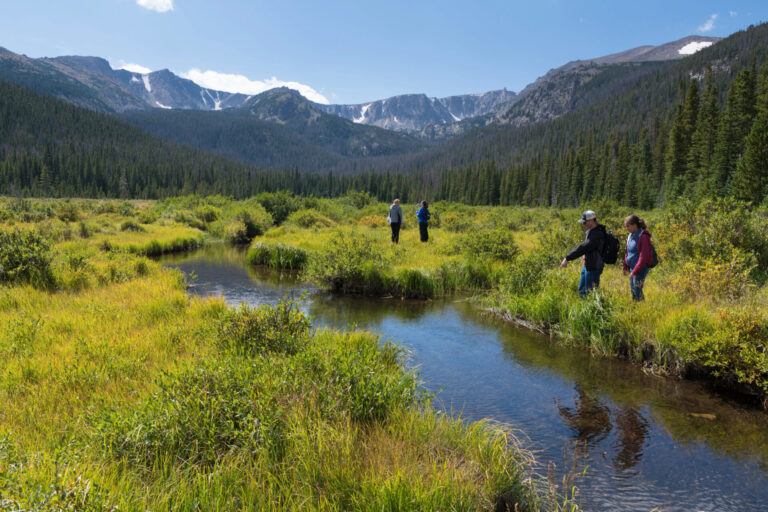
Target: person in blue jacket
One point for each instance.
(423, 215)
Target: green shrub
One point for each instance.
(361, 374)
(279, 204)
(197, 417)
(130, 225)
(84, 230)
(349, 264)
(188, 218)
(309, 218)
(123, 208)
(68, 212)
(236, 233)
(526, 275)
(414, 284)
(277, 256)
(357, 199)
(456, 222)
(148, 216)
(25, 257)
(208, 213)
(54, 230)
(498, 244)
(252, 331)
(372, 221)
(244, 226)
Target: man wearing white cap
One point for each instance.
(592, 251)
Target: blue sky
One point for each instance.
(354, 51)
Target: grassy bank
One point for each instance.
(705, 314)
(121, 392)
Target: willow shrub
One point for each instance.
(255, 399)
(25, 258)
(277, 256)
(730, 343)
(350, 265)
(309, 218)
(251, 331)
(498, 244)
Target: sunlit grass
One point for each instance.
(90, 364)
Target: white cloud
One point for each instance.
(733, 14)
(239, 83)
(709, 24)
(133, 68)
(156, 5)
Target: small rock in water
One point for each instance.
(704, 416)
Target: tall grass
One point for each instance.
(277, 256)
(120, 392)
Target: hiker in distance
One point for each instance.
(423, 215)
(395, 219)
(591, 249)
(639, 258)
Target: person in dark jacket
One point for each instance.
(639, 255)
(395, 219)
(591, 250)
(423, 215)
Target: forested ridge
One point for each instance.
(642, 135)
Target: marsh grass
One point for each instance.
(120, 392)
(276, 255)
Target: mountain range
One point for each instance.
(280, 129)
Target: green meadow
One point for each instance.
(122, 392)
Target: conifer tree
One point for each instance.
(750, 181)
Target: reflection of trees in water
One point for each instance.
(591, 423)
(346, 310)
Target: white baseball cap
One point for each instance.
(587, 215)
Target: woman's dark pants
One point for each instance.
(423, 231)
(395, 231)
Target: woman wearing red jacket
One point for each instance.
(639, 255)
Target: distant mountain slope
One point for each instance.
(277, 129)
(602, 99)
(414, 112)
(92, 83)
(88, 90)
(562, 90)
(52, 148)
(158, 89)
(576, 85)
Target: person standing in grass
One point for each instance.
(395, 220)
(423, 215)
(591, 250)
(639, 255)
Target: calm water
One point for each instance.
(647, 443)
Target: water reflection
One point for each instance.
(589, 419)
(644, 441)
(633, 430)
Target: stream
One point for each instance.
(633, 441)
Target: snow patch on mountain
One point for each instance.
(161, 105)
(694, 47)
(147, 85)
(134, 79)
(362, 114)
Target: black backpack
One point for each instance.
(610, 248)
(654, 257)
